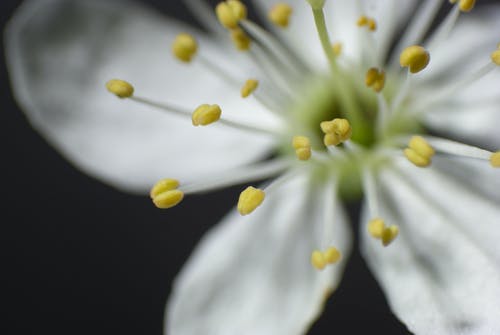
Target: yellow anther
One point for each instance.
(495, 159)
(336, 131)
(280, 14)
(165, 193)
(375, 79)
(376, 228)
(249, 87)
(318, 260)
(337, 48)
(184, 47)
(120, 88)
(421, 147)
(419, 152)
(389, 234)
(332, 255)
(367, 21)
(230, 12)
(416, 159)
(302, 146)
(466, 5)
(415, 58)
(240, 39)
(495, 57)
(250, 199)
(163, 186)
(362, 21)
(206, 114)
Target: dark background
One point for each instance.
(78, 257)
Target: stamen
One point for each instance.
(337, 48)
(495, 56)
(184, 47)
(375, 79)
(240, 39)
(206, 114)
(376, 227)
(495, 159)
(318, 260)
(120, 88)
(165, 193)
(415, 57)
(419, 151)
(336, 131)
(302, 146)
(249, 87)
(230, 12)
(465, 5)
(249, 200)
(321, 259)
(450, 147)
(368, 22)
(280, 14)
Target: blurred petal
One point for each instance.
(442, 274)
(60, 55)
(471, 113)
(252, 274)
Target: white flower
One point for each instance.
(429, 232)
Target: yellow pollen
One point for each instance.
(380, 231)
(120, 88)
(230, 12)
(165, 193)
(302, 146)
(318, 260)
(321, 259)
(419, 152)
(495, 159)
(415, 57)
(206, 114)
(184, 47)
(375, 79)
(376, 227)
(250, 199)
(163, 186)
(495, 56)
(249, 87)
(332, 255)
(337, 48)
(466, 5)
(280, 14)
(336, 131)
(389, 234)
(367, 21)
(240, 39)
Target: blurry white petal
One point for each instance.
(442, 274)
(60, 55)
(252, 275)
(472, 112)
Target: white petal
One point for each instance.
(60, 55)
(252, 275)
(472, 113)
(442, 274)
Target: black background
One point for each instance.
(78, 257)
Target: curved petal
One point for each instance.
(252, 274)
(60, 55)
(472, 112)
(442, 274)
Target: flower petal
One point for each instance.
(252, 274)
(442, 274)
(60, 55)
(472, 112)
